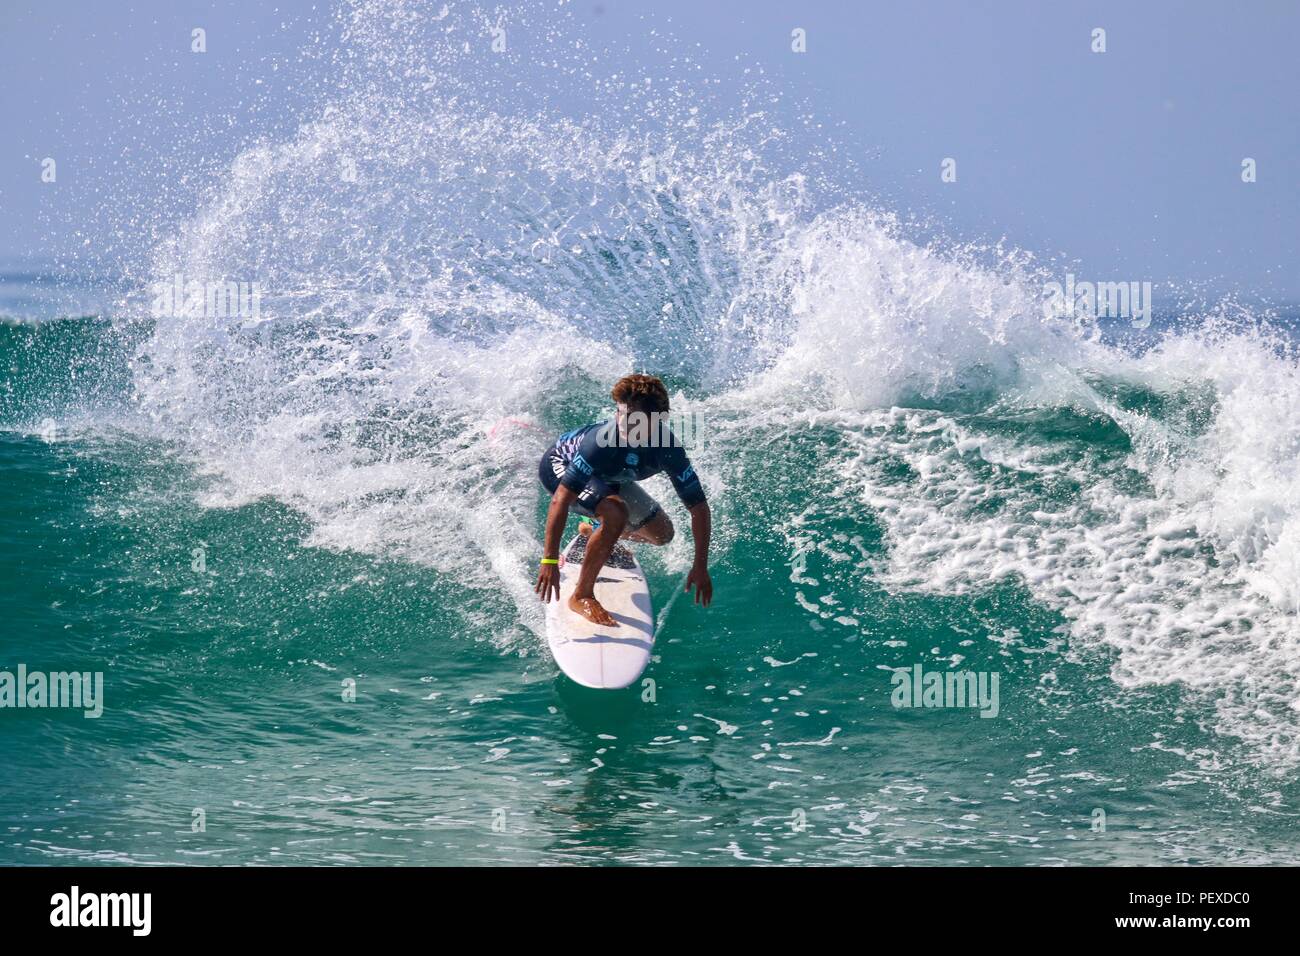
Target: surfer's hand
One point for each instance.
(548, 582)
(699, 576)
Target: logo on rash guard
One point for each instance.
(581, 464)
(688, 474)
(633, 458)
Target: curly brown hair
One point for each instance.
(643, 393)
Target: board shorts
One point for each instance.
(641, 507)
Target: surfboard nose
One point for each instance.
(603, 658)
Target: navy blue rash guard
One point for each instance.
(591, 459)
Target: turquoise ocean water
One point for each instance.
(299, 545)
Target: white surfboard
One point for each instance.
(595, 656)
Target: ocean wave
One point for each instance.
(434, 264)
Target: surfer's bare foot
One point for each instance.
(585, 529)
(590, 608)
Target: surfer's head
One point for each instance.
(642, 404)
(642, 393)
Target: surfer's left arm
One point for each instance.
(687, 485)
(701, 529)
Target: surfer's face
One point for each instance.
(626, 416)
(621, 415)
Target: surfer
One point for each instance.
(594, 470)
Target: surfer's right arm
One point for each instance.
(548, 575)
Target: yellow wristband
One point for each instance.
(550, 560)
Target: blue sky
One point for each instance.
(1127, 162)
